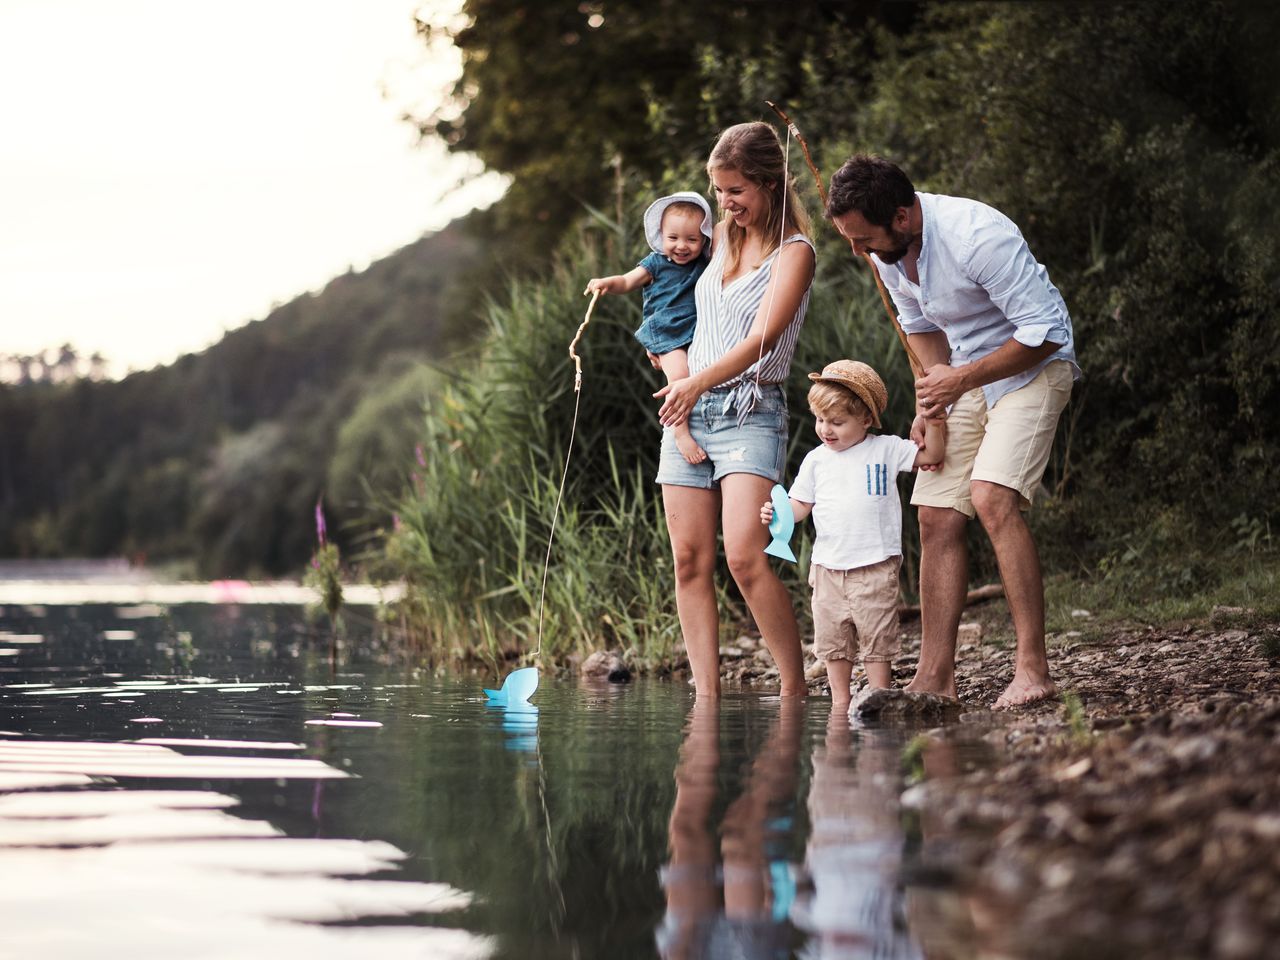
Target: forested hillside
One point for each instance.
(218, 458)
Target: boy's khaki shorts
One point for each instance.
(1008, 444)
(856, 609)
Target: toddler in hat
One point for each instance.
(678, 228)
(849, 484)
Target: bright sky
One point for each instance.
(171, 169)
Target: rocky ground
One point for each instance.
(1138, 816)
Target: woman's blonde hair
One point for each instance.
(754, 150)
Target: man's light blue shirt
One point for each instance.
(980, 285)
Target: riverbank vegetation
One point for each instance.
(1135, 144)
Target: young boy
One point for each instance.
(678, 228)
(849, 484)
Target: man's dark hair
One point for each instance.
(872, 186)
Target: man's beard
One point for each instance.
(902, 244)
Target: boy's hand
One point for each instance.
(917, 436)
(766, 513)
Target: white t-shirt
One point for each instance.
(854, 492)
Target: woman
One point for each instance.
(751, 304)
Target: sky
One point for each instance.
(170, 170)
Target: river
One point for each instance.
(196, 780)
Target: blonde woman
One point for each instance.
(751, 303)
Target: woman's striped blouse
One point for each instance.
(725, 315)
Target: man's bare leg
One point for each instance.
(998, 509)
(944, 578)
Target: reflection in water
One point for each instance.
(855, 905)
(544, 832)
(731, 899)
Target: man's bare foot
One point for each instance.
(1021, 692)
(688, 446)
(942, 689)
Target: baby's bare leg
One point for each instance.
(675, 366)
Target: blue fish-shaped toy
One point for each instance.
(782, 525)
(517, 688)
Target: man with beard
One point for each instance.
(995, 340)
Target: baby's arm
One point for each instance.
(935, 443)
(622, 283)
(799, 510)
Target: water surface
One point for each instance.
(198, 781)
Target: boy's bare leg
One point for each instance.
(999, 510)
(675, 366)
(839, 673)
(879, 673)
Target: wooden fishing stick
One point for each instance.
(577, 361)
(568, 454)
(917, 369)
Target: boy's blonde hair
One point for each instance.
(826, 398)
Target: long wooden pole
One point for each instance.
(917, 369)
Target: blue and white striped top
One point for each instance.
(725, 315)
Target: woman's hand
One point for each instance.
(680, 396)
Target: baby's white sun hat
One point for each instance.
(653, 216)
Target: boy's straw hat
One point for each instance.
(862, 380)
(653, 216)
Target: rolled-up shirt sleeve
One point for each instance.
(1002, 264)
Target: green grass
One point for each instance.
(1157, 593)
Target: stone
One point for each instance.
(606, 665)
(969, 632)
(886, 703)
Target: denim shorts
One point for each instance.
(758, 447)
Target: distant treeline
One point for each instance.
(1137, 145)
(215, 461)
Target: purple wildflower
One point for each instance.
(422, 457)
(320, 527)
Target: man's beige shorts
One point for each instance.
(1008, 444)
(855, 609)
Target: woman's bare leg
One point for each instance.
(745, 538)
(675, 366)
(692, 518)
